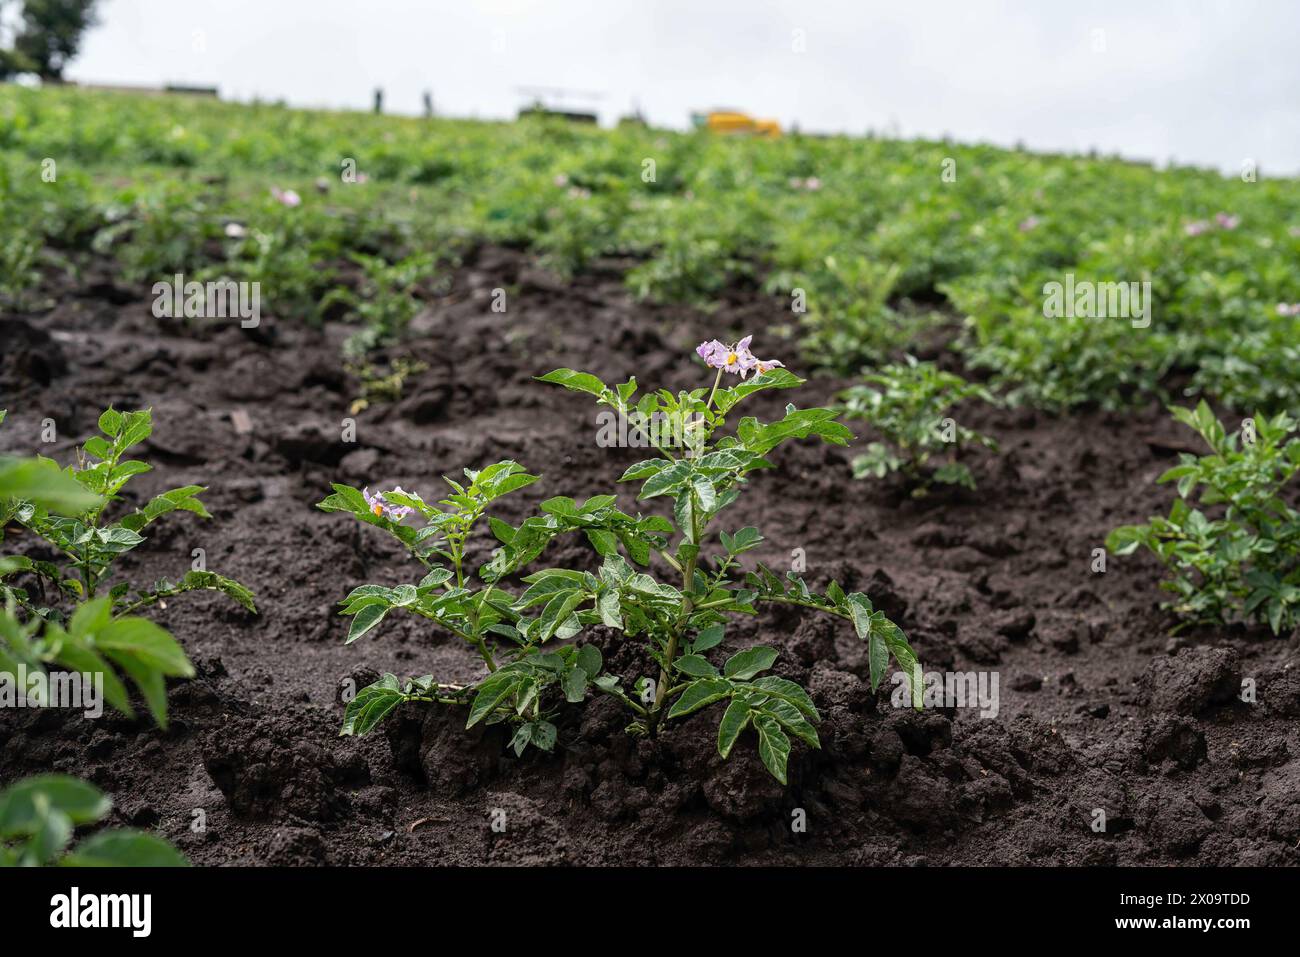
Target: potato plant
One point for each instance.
(38, 816)
(89, 542)
(529, 639)
(911, 405)
(100, 632)
(1231, 541)
(879, 231)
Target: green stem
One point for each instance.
(677, 566)
(674, 638)
(781, 599)
(717, 380)
(482, 647)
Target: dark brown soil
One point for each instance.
(1099, 708)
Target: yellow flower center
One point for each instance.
(377, 508)
(731, 358)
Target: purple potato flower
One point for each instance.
(382, 509)
(737, 359)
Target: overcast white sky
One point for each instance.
(1211, 83)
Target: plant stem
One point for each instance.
(717, 380)
(482, 647)
(674, 638)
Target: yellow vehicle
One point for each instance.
(734, 121)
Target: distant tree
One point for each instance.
(47, 37)
(10, 61)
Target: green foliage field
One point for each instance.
(885, 250)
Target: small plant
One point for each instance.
(386, 302)
(94, 642)
(89, 543)
(910, 405)
(1245, 563)
(38, 816)
(380, 384)
(65, 507)
(528, 641)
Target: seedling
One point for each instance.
(100, 635)
(89, 543)
(38, 816)
(1246, 562)
(529, 641)
(386, 302)
(911, 404)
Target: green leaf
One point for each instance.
(744, 665)
(577, 381)
(81, 802)
(365, 621)
(147, 643)
(557, 612)
(574, 685)
(125, 848)
(136, 427)
(504, 532)
(706, 498)
(492, 692)
(153, 687)
(787, 690)
(371, 705)
(177, 499)
(906, 658)
(878, 658)
(644, 469)
(699, 694)
(791, 719)
(345, 499)
(1126, 539)
(562, 507)
(110, 422)
(605, 542)
(695, 666)
(611, 611)
(745, 539)
(590, 660)
(79, 658)
(773, 745)
(45, 485)
(49, 836)
(89, 617)
(665, 481)
(522, 737)
(544, 735)
(709, 637)
(734, 721)
(776, 378)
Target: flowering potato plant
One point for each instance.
(528, 640)
(1246, 562)
(910, 404)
